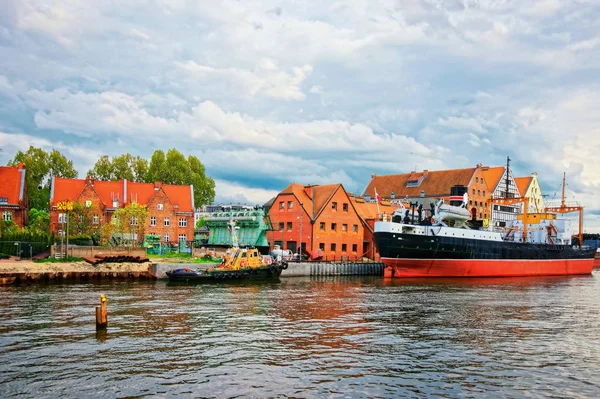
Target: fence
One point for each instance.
(24, 249)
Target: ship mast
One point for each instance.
(565, 208)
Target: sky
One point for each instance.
(267, 93)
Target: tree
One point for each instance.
(174, 168)
(130, 221)
(40, 166)
(125, 166)
(39, 221)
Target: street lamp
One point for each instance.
(300, 239)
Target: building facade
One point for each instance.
(501, 183)
(529, 187)
(170, 207)
(434, 184)
(319, 219)
(14, 199)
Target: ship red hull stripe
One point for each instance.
(487, 267)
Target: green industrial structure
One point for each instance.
(251, 228)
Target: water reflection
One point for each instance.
(305, 337)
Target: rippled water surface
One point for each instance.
(334, 337)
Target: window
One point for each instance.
(355, 228)
(354, 247)
(333, 226)
(290, 204)
(333, 247)
(473, 191)
(152, 220)
(182, 237)
(281, 225)
(289, 226)
(344, 247)
(61, 217)
(88, 203)
(113, 219)
(182, 222)
(95, 219)
(477, 180)
(322, 246)
(344, 227)
(166, 237)
(484, 193)
(133, 221)
(470, 202)
(281, 205)
(80, 218)
(322, 226)
(478, 192)
(345, 207)
(167, 222)
(334, 206)
(7, 216)
(159, 207)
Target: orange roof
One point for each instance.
(298, 191)
(66, 189)
(12, 184)
(523, 184)
(126, 191)
(492, 176)
(433, 183)
(181, 196)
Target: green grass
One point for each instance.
(54, 260)
(185, 258)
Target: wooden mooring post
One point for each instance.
(101, 314)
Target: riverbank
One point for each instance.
(14, 271)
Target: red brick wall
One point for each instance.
(168, 211)
(339, 237)
(19, 215)
(479, 195)
(312, 236)
(160, 229)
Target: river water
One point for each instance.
(305, 337)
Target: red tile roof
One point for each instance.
(523, 184)
(142, 193)
(492, 176)
(10, 184)
(432, 183)
(66, 189)
(368, 210)
(313, 198)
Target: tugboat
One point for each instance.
(238, 264)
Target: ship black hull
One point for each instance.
(411, 255)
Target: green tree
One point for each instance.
(40, 166)
(126, 166)
(175, 168)
(131, 221)
(39, 221)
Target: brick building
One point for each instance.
(324, 219)
(171, 207)
(434, 184)
(14, 200)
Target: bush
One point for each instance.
(4, 256)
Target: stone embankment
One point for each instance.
(12, 271)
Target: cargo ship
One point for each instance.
(450, 243)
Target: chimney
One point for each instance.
(412, 174)
(157, 185)
(373, 175)
(89, 181)
(309, 190)
(20, 166)
(425, 172)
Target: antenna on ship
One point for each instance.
(507, 174)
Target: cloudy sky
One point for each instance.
(271, 92)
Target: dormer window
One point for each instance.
(412, 183)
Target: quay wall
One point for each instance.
(302, 269)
